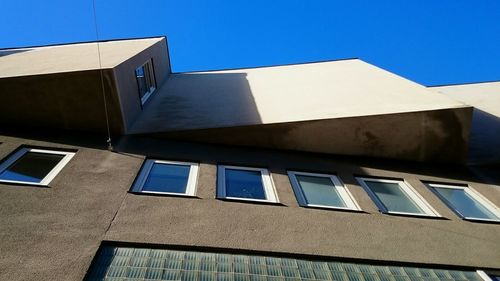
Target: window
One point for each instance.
(33, 166)
(467, 203)
(167, 177)
(145, 77)
(243, 183)
(396, 197)
(320, 190)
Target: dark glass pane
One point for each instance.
(464, 204)
(320, 191)
(167, 178)
(244, 184)
(141, 81)
(31, 167)
(393, 197)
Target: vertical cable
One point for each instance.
(110, 147)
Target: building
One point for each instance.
(114, 168)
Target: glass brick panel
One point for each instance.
(120, 263)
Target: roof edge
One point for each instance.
(83, 42)
(267, 66)
(467, 83)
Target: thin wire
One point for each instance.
(110, 147)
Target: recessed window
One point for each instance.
(145, 80)
(243, 183)
(321, 190)
(466, 202)
(396, 197)
(33, 166)
(167, 177)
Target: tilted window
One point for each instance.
(33, 166)
(466, 202)
(145, 80)
(321, 190)
(396, 197)
(244, 183)
(167, 177)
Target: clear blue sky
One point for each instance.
(428, 41)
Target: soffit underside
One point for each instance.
(436, 135)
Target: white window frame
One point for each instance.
(407, 189)
(149, 65)
(487, 276)
(470, 191)
(50, 175)
(267, 183)
(344, 193)
(146, 169)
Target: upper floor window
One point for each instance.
(321, 190)
(145, 77)
(396, 197)
(244, 183)
(33, 166)
(167, 177)
(466, 202)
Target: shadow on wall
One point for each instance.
(4, 53)
(484, 143)
(200, 100)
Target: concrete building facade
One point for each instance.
(90, 219)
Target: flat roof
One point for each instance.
(70, 57)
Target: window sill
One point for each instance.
(160, 194)
(22, 183)
(420, 216)
(334, 209)
(482, 221)
(250, 201)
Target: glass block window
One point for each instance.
(396, 197)
(245, 183)
(321, 190)
(121, 263)
(466, 202)
(33, 166)
(167, 177)
(145, 78)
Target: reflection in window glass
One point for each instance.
(167, 178)
(464, 203)
(31, 167)
(244, 184)
(320, 191)
(393, 197)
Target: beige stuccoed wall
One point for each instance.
(484, 139)
(267, 95)
(126, 83)
(484, 96)
(71, 57)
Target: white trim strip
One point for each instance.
(50, 175)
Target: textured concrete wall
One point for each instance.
(53, 233)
